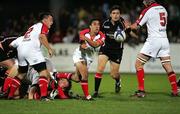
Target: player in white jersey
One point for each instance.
(90, 40)
(156, 45)
(29, 53)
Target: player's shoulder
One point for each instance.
(151, 8)
(101, 33)
(106, 22)
(84, 31)
(38, 24)
(121, 19)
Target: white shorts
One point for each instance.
(30, 57)
(79, 56)
(156, 47)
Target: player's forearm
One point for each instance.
(135, 26)
(44, 41)
(92, 43)
(134, 35)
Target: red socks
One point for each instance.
(7, 83)
(43, 84)
(14, 85)
(172, 80)
(140, 77)
(84, 85)
(36, 96)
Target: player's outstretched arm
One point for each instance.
(44, 41)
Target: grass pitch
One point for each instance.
(157, 101)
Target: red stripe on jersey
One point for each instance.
(44, 29)
(102, 38)
(83, 32)
(144, 12)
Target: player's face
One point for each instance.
(49, 21)
(115, 15)
(95, 26)
(63, 83)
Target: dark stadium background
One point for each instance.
(72, 15)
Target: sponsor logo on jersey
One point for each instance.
(106, 26)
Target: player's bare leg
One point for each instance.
(139, 65)
(166, 63)
(83, 70)
(43, 84)
(16, 82)
(116, 75)
(102, 61)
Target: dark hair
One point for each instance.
(148, 2)
(115, 7)
(94, 19)
(43, 15)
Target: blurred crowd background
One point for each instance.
(70, 16)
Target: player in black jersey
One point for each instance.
(111, 51)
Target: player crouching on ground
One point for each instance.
(58, 87)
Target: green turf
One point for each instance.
(157, 101)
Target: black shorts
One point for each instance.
(114, 55)
(3, 55)
(38, 67)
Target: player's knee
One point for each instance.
(21, 76)
(44, 73)
(101, 69)
(140, 63)
(84, 78)
(75, 79)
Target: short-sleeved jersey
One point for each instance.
(87, 54)
(109, 29)
(100, 37)
(31, 37)
(17, 42)
(155, 17)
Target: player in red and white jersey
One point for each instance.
(156, 45)
(90, 40)
(29, 53)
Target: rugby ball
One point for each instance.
(120, 35)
